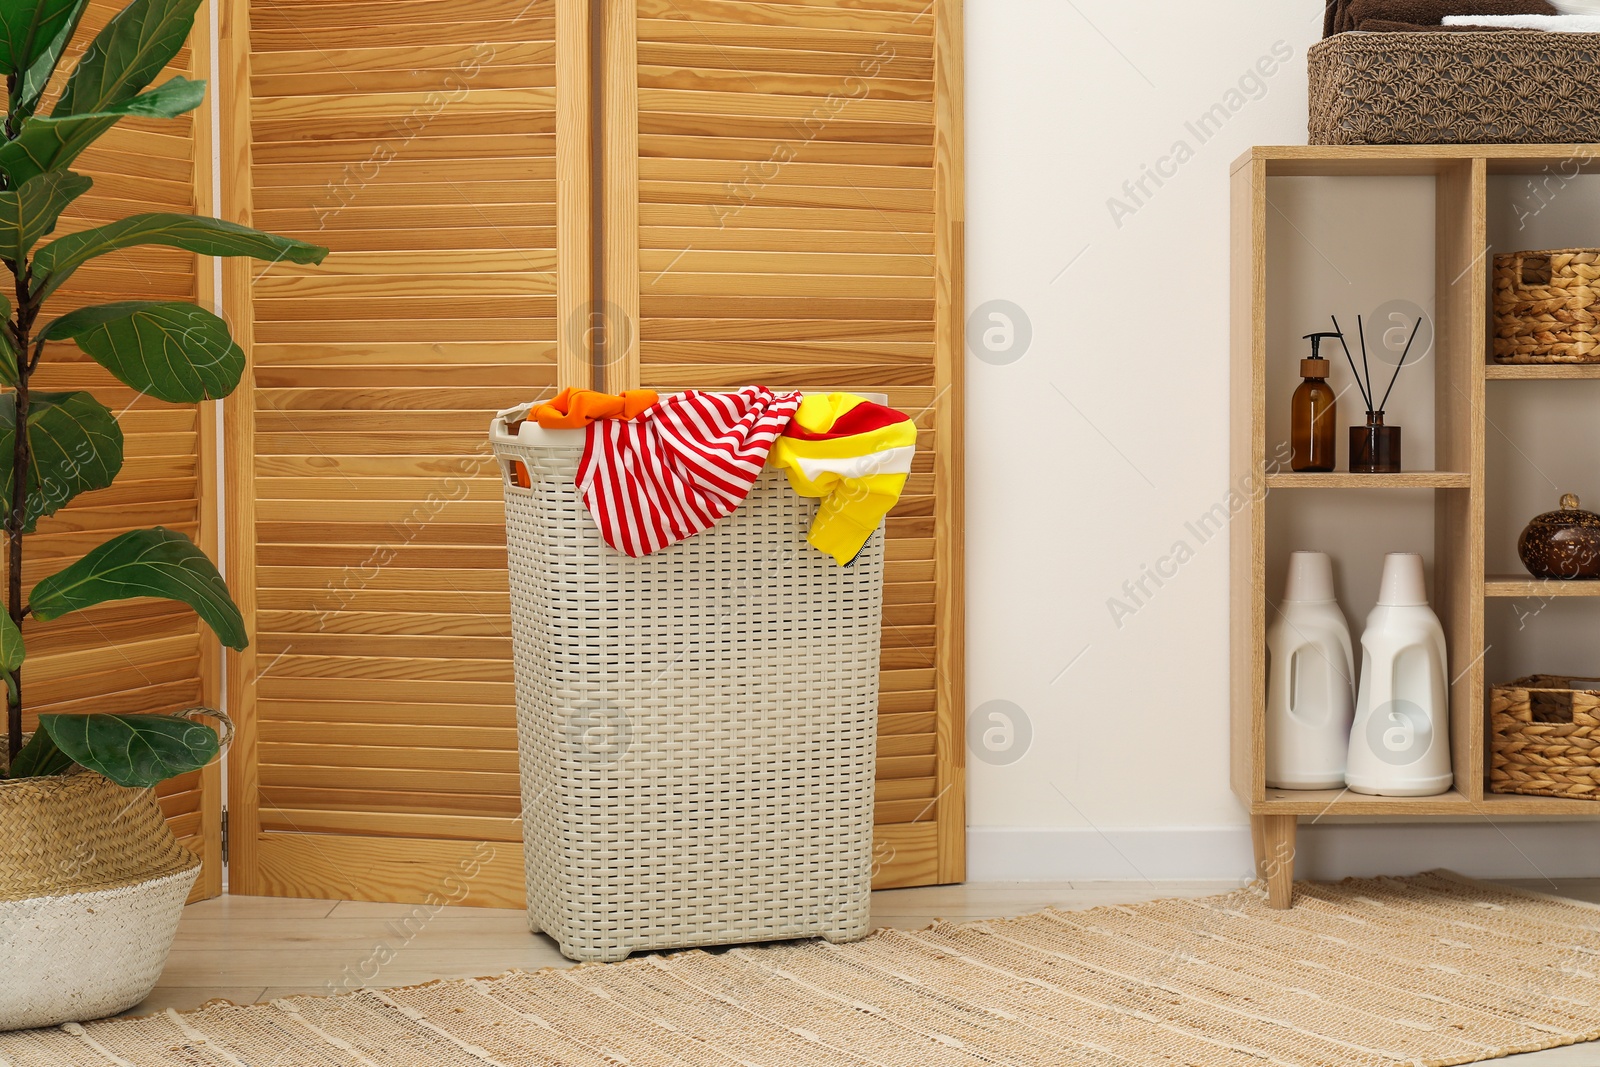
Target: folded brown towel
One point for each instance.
(1386, 26)
(1345, 15)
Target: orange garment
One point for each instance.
(577, 408)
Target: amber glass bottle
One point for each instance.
(1313, 418)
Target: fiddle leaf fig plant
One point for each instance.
(55, 446)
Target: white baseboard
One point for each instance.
(1323, 852)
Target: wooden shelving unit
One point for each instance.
(1547, 373)
(1521, 585)
(1403, 480)
(1462, 367)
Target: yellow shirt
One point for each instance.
(853, 454)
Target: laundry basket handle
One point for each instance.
(500, 431)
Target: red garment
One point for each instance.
(680, 467)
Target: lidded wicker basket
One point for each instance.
(1447, 87)
(1546, 737)
(1545, 306)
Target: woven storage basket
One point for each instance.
(92, 884)
(1545, 305)
(1546, 737)
(697, 728)
(1502, 87)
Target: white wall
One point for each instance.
(1090, 451)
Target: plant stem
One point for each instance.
(16, 516)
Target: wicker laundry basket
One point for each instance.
(1501, 87)
(1546, 737)
(1545, 306)
(697, 728)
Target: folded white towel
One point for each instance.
(1576, 7)
(1553, 23)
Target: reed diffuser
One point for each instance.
(1374, 447)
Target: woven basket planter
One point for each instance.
(697, 728)
(1545, 306)
(92, 884)
(1546, 737)
(1502, 87)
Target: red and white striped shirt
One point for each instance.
(680, 467)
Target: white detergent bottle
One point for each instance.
(1309, 690)
(1400, 743)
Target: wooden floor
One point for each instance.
(254, 948)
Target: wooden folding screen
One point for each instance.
(786, 208)
(419, 141)
(143, 655)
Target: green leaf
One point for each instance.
(173, 351)
(33, 34)
(11, 657)
(127, 55)
(27, 26)
(133, 750)
(52, 143)
(56, 261)
(11, 651)
(29, 212)
(157, 563)
(8, 351)
(76, 447)
(40, 757)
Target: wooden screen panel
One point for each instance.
(143, 655)
(417, 141)
(795, 172)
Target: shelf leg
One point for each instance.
(1273, 837)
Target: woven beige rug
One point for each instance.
(1428, 970)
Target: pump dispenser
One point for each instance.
(1314, 412)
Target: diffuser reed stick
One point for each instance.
(1363, 374)
(1352, 361)
(1361, 331)
(1401, 365)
